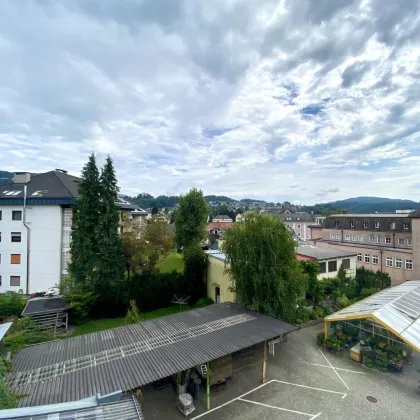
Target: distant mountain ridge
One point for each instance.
(5, 177)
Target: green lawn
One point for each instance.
(105, 324)
(172, 262)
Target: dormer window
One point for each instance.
(337, 223)
(352, 224)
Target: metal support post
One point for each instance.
(264, 363)
(325, 329)
(208, 386)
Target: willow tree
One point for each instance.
(262, 265)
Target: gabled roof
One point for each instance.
(53, 184)
(396, 308)
(218, 225)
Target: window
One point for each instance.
(332, 236)
(372, 239)
(401, 241)
(338, 236)
(332, 266)
(409, 242)
(389, 261)
(388, 240)
(367, 258)
(346, 263)
(392, 225)
(347, 237)
(354, 237)
(16, 215)
(375, 259)
(16, 237)
(365, 225)
(351, 224)
(408, 264)
(361, 238)
(398, 263)
(0, 219)
(299, 234)
(337, 223)
(322, 268)
(376, 225)
(379, 239)
(298, 226)
(14, 280)
(359, 258)
(406, 226)
(14, 258)
(0, 280)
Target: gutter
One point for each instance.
(28, 238)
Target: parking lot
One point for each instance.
(304, 382)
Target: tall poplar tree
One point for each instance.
(84, 244)
(111, 261)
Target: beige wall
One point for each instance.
(398, 275)
(217, 277)
(351, 272)
(415, 227)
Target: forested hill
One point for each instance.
(5, 177)
(364, 205)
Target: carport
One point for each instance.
(129, 357)
(396, 309)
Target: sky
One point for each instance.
(299, 100)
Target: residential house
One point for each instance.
(218, 282)
(239, 218)
(389, 242)
(35, 229)
(297, 221)
(221, 218)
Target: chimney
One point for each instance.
(21, 177)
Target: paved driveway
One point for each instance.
(305, 383)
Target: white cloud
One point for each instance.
(279, 100)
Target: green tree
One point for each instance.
(155, 210)
(85, 244)
(261, 261)
(191, 218)
(110, 261)
(374, 281)
(315, 287)
(195, 266)
(158, 242)
(133, 253)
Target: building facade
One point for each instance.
(381, 241)
(35, 230)
(299, 222)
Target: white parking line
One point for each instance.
(241, 398)
(330, 367)
(311, 387)
(334, 369)
(278, 408)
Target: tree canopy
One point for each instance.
(262, 264)
(191, 218)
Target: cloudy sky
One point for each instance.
(302, 100)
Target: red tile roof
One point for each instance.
(219, 225)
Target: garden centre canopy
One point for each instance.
(396, 308)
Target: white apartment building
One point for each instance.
(35, 230)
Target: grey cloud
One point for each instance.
(354, 73)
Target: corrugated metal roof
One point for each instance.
(134, 355)
(397, 308)
(87, 409)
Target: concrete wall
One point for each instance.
(217, 278)
(45, 224)
(301, 229)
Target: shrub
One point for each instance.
(133, 314)
(204, 302)
(320, 339)
(343, 301)
(11, 306)
(7, 399)
(25, 332)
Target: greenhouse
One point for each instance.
(381, 330)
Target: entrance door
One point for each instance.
(217, 294)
